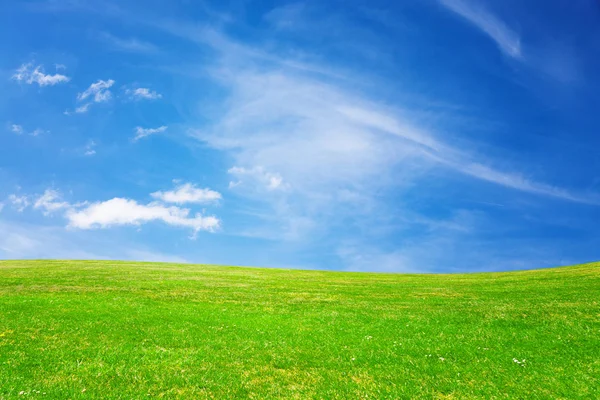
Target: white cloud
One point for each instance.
(120, 211)
(99, 91)
(37, 132)
(28, 74)
(270, 180)
(81, 109)
(50, 202)
(321, 137)
(1, 206)
(507, 40)
(287, 16)
(102, 96)
(187, 193)
(142, 94)
(123, 211)
(315, 137)
(20, 203)
(89, 148)
(519, 182)
(129, 45)
(19, 130)
(143, 132)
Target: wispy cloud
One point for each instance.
(270, 180)
(507, 40)
(50, 202)
(81, 109)
(98, 92)
(38, 131)
(288, 16)
(29, 74)
(89, 149)
(321, 139)
(333, 137)
(519, 182)
(33, 241)
(187, 193)
(142, 94)
(131, 45)
(145, 132)
(18, 129)
(25, 240)
(20, 203)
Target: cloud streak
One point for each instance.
(141, 133)
(508, 41)
(187, 193)
(130, 45)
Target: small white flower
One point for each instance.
(519, 362)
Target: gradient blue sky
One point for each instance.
(398, 136)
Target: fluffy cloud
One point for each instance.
(142, 94)
(143, 132)
(18, 129)
(98, 90)
(120, 211)
(29, 74)
(97, 93)
(187, 193)
(20, 203)
(50, 202)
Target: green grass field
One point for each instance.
(103, 329)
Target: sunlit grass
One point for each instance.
(103, 329)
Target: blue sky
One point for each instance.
(413, 136)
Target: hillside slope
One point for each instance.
(103, 329)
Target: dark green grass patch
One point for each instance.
(103, 329)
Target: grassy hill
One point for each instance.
(103, 329)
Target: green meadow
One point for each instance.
(127, 330)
